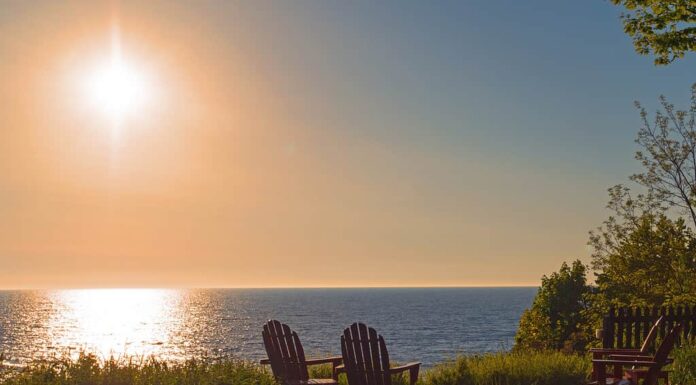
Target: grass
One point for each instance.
(540, 368)
(488, 369)
(684, 366)
(324, 371)
(89, 370)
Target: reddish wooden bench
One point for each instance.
(600, 353)
(647, 368)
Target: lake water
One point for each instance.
(428, 325)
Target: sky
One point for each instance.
(284, 144)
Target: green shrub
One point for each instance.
(554, 321)
(684, 366)
(538, 368)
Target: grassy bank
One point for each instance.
(88, 370)
(684, 367)
(489, 369)
(511, 369)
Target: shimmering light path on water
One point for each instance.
(418, 324)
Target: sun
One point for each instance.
(117, 87)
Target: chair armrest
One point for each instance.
(645, 357)
(318, 361)
(626, 362)
(265, 361)
(340, 368)
(403, 368)
(614, 351)
(413, 369)
(598, 353)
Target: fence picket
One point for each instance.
(628, 327)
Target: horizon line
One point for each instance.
(28, 288)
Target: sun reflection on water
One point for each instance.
(114, 322)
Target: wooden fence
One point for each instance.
(627, 327)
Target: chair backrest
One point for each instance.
(661, 355)
(667, 344)
(365, 356)
(652, 334)
(285, 352)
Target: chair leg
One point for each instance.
(413, 374)
(334, 371)
(600, 372)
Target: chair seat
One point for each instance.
(641, 373)
(314, 381)
(610, 381)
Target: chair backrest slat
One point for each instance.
(652, 334)
(285, 352)
(375, 351)
(365, 356)
(661, 355)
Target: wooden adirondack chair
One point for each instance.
(599, 353)
(287, 359)
(647, 368)
(366, 360)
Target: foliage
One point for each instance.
(555, 318)
(668, 156)
(89, 370)
(684, 366)
(642, 257)
(539, 368)
(644, 254)
(665, 28)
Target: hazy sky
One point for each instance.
(315, 143)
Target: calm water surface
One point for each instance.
(418, 324)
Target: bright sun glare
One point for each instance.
(116, 86)
(117, 89)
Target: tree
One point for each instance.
(665, 28)
(645, 252)
(669, 156)
(641, 256)
(554, 320)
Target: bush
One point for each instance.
(554, 321)
(89, 370)
(684, 366)
(538, 368)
